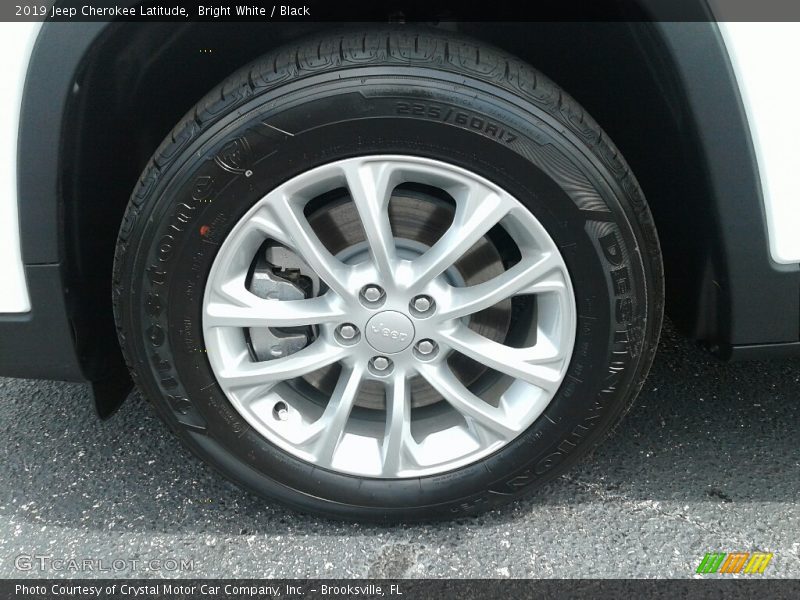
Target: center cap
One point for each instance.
(390, 331)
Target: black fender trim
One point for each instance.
(52, 70)
(54, 340)
(39, 344)
(742, 298)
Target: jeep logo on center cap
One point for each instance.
(381, 329)
(389, 332)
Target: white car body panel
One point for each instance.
(762, 55)
(16, 40)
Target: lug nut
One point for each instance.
(422, 304)
(348, 331)
(372, 293)
(381, 363)
(426, 348)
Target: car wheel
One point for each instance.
(388, 275)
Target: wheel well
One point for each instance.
(138, 80)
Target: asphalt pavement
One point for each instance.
(708, 460)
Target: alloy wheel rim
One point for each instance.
(386, 319)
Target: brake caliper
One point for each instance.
(278, 275)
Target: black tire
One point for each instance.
(408, 91)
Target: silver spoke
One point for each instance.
(398, 426)
(282, 220)
(319, 354)
(329, 429)
(271, 313)
(521, 278)
(371, 184)
(475, 215)
(504, 359)
(481, 414)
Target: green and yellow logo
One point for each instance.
(734, 562)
